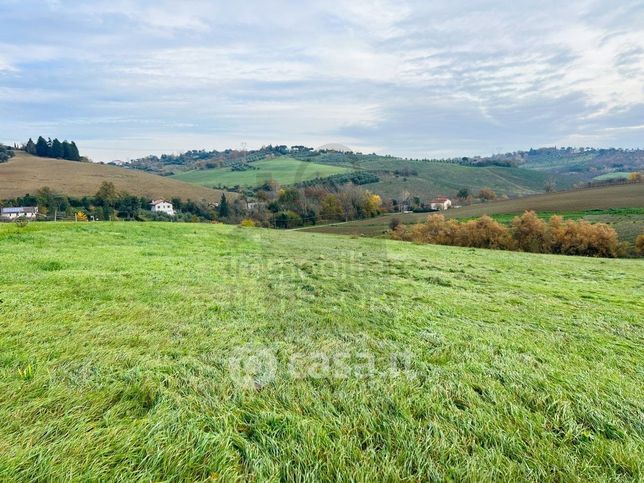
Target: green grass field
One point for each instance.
(284, 170)
(430, 179)
(436, 179)
(132, 352)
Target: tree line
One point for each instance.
(109, 204)
(275, 207)
(46, 148)
(527, 233)
(290, 207)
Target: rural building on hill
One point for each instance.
(441, 203)
(19, 212)
(162, 206)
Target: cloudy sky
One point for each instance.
(411, 78)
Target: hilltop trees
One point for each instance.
(70, 151)
(53, 149)
(42, 147)
(30, 147)
(56, 149)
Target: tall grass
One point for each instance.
(117, 343)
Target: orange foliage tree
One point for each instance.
(526, 233)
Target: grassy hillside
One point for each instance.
(600, 198)
(428, 179)
(189, 352)
(436, 179)
(26, 174)
(425, 179)
(575, 165)
(284, 170)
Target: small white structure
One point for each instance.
(441, 203)
(30, 212)
(162, 206)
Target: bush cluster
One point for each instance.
(526, 233)
(5, 153)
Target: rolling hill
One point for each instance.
(427, 179)
(573, 165)
(285, 170)
(24, 174)
(424, 179)
(598, 198)
(514, 174)
(186, 352)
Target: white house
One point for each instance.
(441, 203)
(30, 212)
(162, 206)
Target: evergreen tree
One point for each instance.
(74, 154)
(67, 150)
(30, 147)
(224, 209)
(56, 149)
(42, 148)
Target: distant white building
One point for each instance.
(441, 203)
(162, 206)
(29, 212)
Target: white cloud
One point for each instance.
(282, 70)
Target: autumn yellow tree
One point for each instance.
(373, 204)
(331, 208)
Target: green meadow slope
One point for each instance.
(425, 179)
(284, 170)
(428, 179)
(191, 352)
(25, 174)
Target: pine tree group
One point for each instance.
(53, 149)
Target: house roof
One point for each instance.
(20, 209)
(440, 199)
(158, 202)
